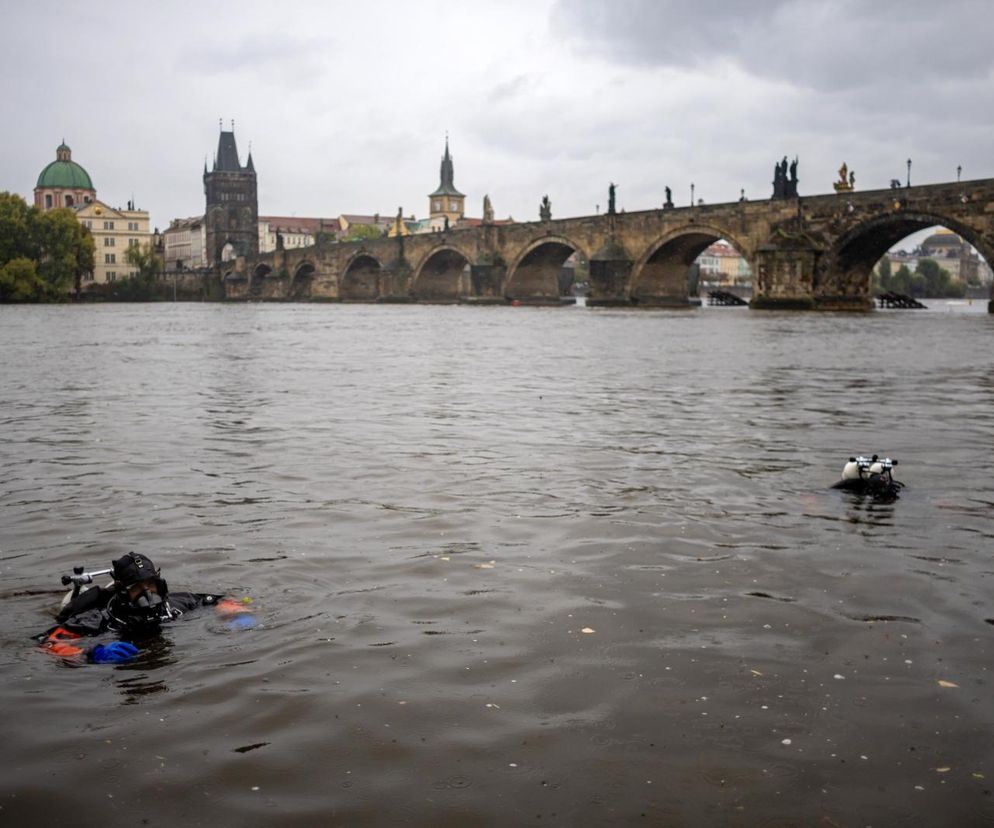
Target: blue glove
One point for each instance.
(243, 621)
(118, 652)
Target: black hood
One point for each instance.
(132, 568)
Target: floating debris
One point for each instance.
(247, 748)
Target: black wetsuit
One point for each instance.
(98, 610)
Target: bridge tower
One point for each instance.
(231, 216)
(446, 202)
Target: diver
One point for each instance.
(871, 476)
(134, 606)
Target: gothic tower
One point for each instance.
(446, 201)
(231, 217)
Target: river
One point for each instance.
(511, 566)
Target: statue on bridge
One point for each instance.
(847, 180)
(784, 184)
(668, 205)
(545, 209)
(610, 200)
(488, 210)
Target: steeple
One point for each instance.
(227, 153)
(447, 186)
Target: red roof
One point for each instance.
(297, 224)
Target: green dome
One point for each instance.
(64, 173)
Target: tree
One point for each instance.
(15, 228)
(900, 282)
(361, 232)
(143, 258)
(143, 286)
(66, 250)
(937, 281)
(20, 282)
(42, 254)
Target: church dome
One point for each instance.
(943, 239)
(64, 173)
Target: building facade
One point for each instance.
(185, 244)
(231, 215)
(951, 253)
(723, 264)
(292, 232)
(63, 183)
(114, 231)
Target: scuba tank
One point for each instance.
(870, 475)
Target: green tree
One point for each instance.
(882, 275)
(20, 282)
(937, 281)
(900, 282)
(15, 228)
(144, 260)
(65, 250)
(143, 286)
(361, 232)
(58, 248)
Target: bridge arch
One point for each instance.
(661, 275)
(534, 274)
(303, 278)
(361, 279)
(261, 272)
(443, 275)
(846, 268)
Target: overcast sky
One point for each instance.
(346, 104)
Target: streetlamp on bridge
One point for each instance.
(959, 170)
(691, 193)
(909, 172)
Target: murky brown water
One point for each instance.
(429, 505)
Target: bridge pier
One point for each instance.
(610, 275)
(487, 283)
(784, 278)
(394, 283)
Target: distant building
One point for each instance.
(63, 183)
(294, 232)
(723, 264)
(185, 244)
(446, 202)
(231, 217)
(114, 231)
(954, 255)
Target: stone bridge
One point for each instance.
(810, 252)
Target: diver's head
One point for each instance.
(142, 591)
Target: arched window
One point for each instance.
(48, 201)
(69, 201)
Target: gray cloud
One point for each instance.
(823, 44)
